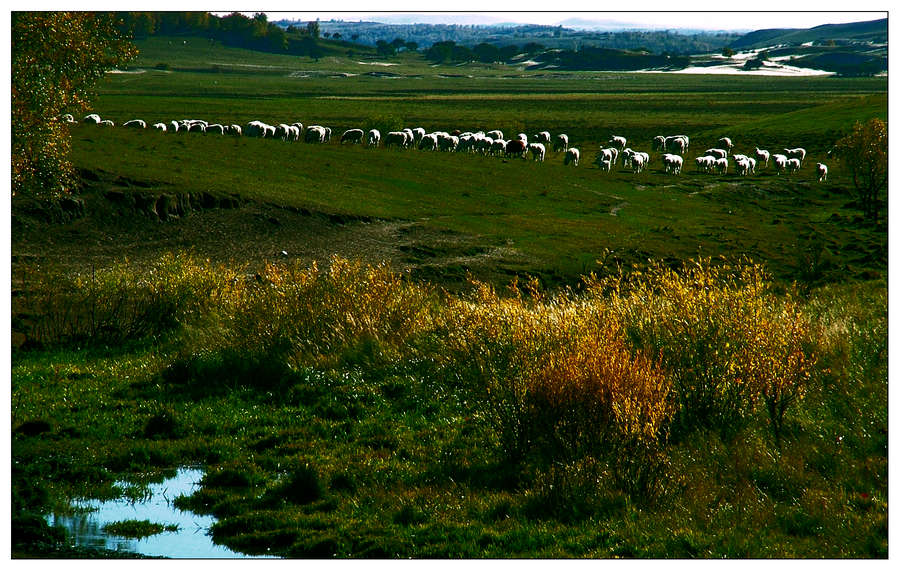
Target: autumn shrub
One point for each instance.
(729, 344)
(554, 375)
(314, 317)
(122, 301)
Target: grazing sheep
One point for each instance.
(316, 134)
(678, 145)
(160, 127)
(495, 134)
(659, 143)
(175, 126)
(793, 165)
(498, 147)
(235, 130)
(561, 143)
(762, 156)
(705, 163)
(447, 142)
(215, 128)
(799, 153)
(821, 172)
(725, 143)
(743, 165)
(718, 153)
(393, 138)
(428, 143)
(355, 136)
(543, 138)
(538, 151)
(618, 142)
(484, 145)
(373, 137)
(418, 133)
(672, 163)
(610, 154)
(92, 118)
(523, 137)
(573, 155)
(780, 162)
(604, 164)
(686, 141)
(636, 160)
(106, 123)
(721, 165)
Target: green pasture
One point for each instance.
(335, 417)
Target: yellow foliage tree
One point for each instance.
(57, 58)
(864, 152)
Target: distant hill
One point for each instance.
(873, 31)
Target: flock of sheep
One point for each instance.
(673, 148)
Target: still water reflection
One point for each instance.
(191, 541)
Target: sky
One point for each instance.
(650, 20)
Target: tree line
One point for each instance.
(233, 30)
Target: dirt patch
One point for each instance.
(114, 220)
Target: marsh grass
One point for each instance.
(351, 411)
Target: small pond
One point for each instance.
(191, 541)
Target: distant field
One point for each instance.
(549, 219)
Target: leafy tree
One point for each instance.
(486, 53)
(727, 52)
(57, 58)
(411, 46)
(312, 28)
(865, 154)
(383, 48)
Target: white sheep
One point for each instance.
(538, 151)
(821, 172)
(92, 118)
(762, 156)
(725, 143)
(799, 153)
(106, 123)
(394, 138)
(716, 152)
(721, 165)
(678, 145)
(543, 138)
(316, 134)
(618, 141)
(705, 163)
(355, 136)
(561, 143)
(175, 126)
(573, 155)
(793, 165)
(780, 162)
(672, 163)
(373, 137)
(235, 130)
(636, 160)
(659, 143)
(160, 127)
(215, 128)
(609, 154)
(686, 141)
(135, 124)
(495, 134)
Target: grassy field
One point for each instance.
(192, 312)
